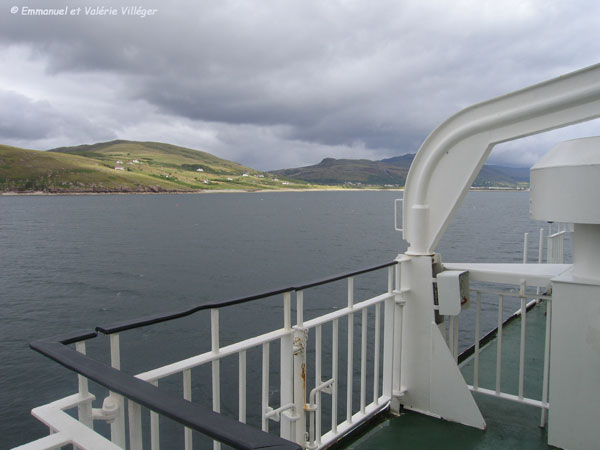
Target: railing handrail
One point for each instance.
(164, 317)
(215, 425)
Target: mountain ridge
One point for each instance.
(392, 172)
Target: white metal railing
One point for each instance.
(522, 313)
(301, 417)
(555, 255)
(303, 397)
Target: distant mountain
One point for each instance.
(393, 172)
(127, 166)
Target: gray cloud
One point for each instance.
(288, 83)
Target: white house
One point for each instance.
(119, 168)
(199, 170)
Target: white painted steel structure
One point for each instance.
(417, 369)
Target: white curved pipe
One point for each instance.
(451, 157)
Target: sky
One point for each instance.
(276, 84)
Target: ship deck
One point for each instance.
(509, 424)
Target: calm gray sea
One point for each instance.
(75, 262)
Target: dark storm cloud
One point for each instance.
(375, 76)
(21, 118)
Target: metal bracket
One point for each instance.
(109, 410)
(275, 414)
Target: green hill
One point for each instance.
(392, 172)
(127, 166)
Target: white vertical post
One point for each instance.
(286, 391)
(388, 339)
(300, 385)
(154, 427)
(525, 248)
(376, 354)
(216, 366)
(242, 387)
(349, 376)
(117, 427)
(499, 345)
(522, 346)
(265, 386)
(187, 395)
(318, 345)
(300, 308)
(540, 258)
(300, 338)
(334, 375)
(84, 410)
(477, 335)
(398, 320)
(135, 426)
(363, 362)
(546, 361)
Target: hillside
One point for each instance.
(392, 172)
(127, 166)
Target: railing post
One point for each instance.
(363, 362)
(84, 410)
(265, 386)
(546, 361)
(135, 426)
(318, 351)
(334, 374)
(350, 368)
(216, 366)
(242, 386)
(187, 395)
(286, 391)
(522, 290)
(540, 258)
(550, 247)
(398, 320)
(477, 336)
(117, 427)
(299, 348)
(376, 353)
(499, 345)
(388, 340)
(154, 427)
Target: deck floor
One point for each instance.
(510, 425)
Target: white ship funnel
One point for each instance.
(565, 187)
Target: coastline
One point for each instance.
(235, 191)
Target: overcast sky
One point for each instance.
(281, 83)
